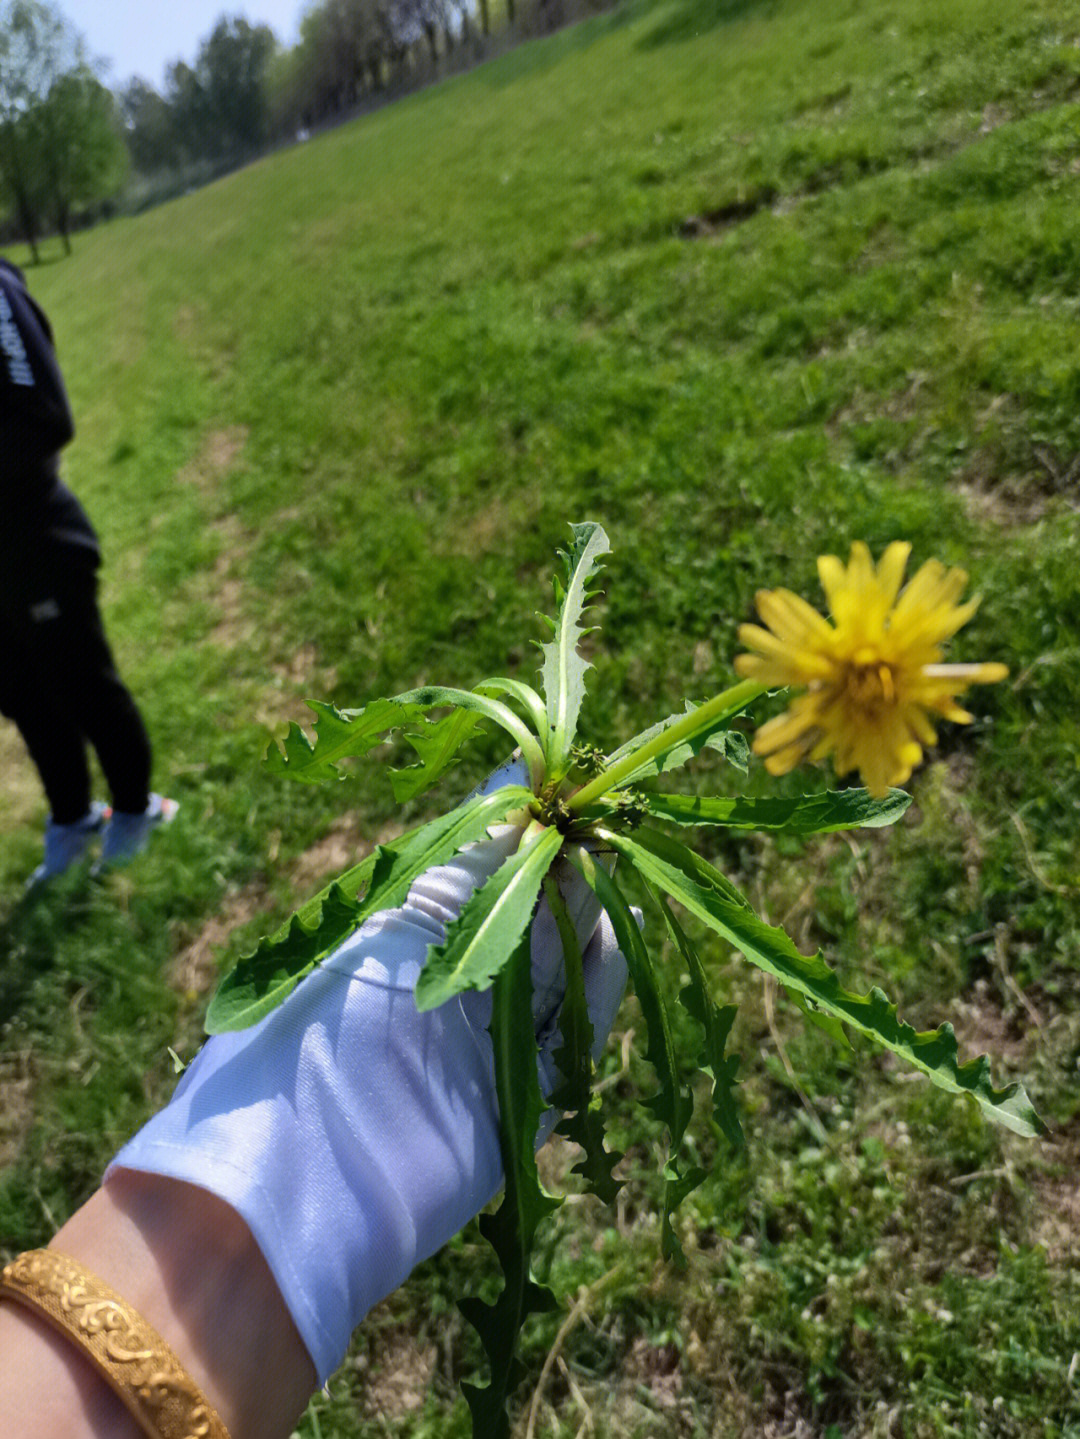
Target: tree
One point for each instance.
(149, 128)
(189, 107)
(81, 153)
(231, 71)
(37, 46)
(346, 47)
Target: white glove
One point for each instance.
(353, 1134)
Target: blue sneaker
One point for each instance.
(65, 844)
(127, 835)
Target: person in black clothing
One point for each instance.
(58, 682)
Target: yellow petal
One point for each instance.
(833, 578)
(891, 568)
(792, 619)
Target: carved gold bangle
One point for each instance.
(129, 1354)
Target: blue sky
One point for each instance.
(142, 37)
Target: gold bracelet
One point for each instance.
(129, 1354)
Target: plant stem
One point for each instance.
(685, 727)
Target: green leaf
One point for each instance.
(264, 979)
(715, 1021)
(525, 695)
(707, 894)
(511, 1230)
(432, 696)
(487, 931)
(564, 668)
(804, 814)
(677, 1186)
(339, 734)
(730, 743)
(671, 1104)
(348, 734)
(582, 1123)
(716, 1026)
(827, 1023)
(436, 743)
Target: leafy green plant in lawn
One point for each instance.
(871, 681)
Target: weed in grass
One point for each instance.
(473, 312)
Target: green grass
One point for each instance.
(745, 282)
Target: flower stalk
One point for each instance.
(684, 728)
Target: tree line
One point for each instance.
(60, 146)
(68, 143)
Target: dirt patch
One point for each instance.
(304, 672)
(397, 1376)
(16, 1105)
(226, 586)
(194, 971)
(983, 1026)
(1058, 1226)
(1056, 1195)
(343, 845)
(216, 455)
(656, 1366)
(1006, 504)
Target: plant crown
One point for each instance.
(581, 802)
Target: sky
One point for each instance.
(143, 37)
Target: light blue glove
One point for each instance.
(353, 1134)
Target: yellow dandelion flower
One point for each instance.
(873, 677)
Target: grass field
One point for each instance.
(744, 282)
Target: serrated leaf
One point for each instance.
(677, 1185)
(582, 1123)
(713, 735)
(715, 1021)
(487, 931)
(433, 696)
(437, 742)
(706, 894)
(802, 814)
(715, 1024)
(264, 979)
(564, 668)
(671, 1103)
(827, 1023)
(512, 1229)
(339, 734)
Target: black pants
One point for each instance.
(59, 684)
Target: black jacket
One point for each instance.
(38, 514)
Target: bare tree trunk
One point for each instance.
(27, 222)
(485, 17)
(13, 169)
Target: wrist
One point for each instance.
(188, 1265)
(49, 1389)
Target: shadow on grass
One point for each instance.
(690, 19)
(29, 940)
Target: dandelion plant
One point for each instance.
(867, 681)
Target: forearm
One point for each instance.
(188, 1264)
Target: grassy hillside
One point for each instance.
(745, 282)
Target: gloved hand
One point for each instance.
(353, 1134)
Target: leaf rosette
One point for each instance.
(581, 800)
